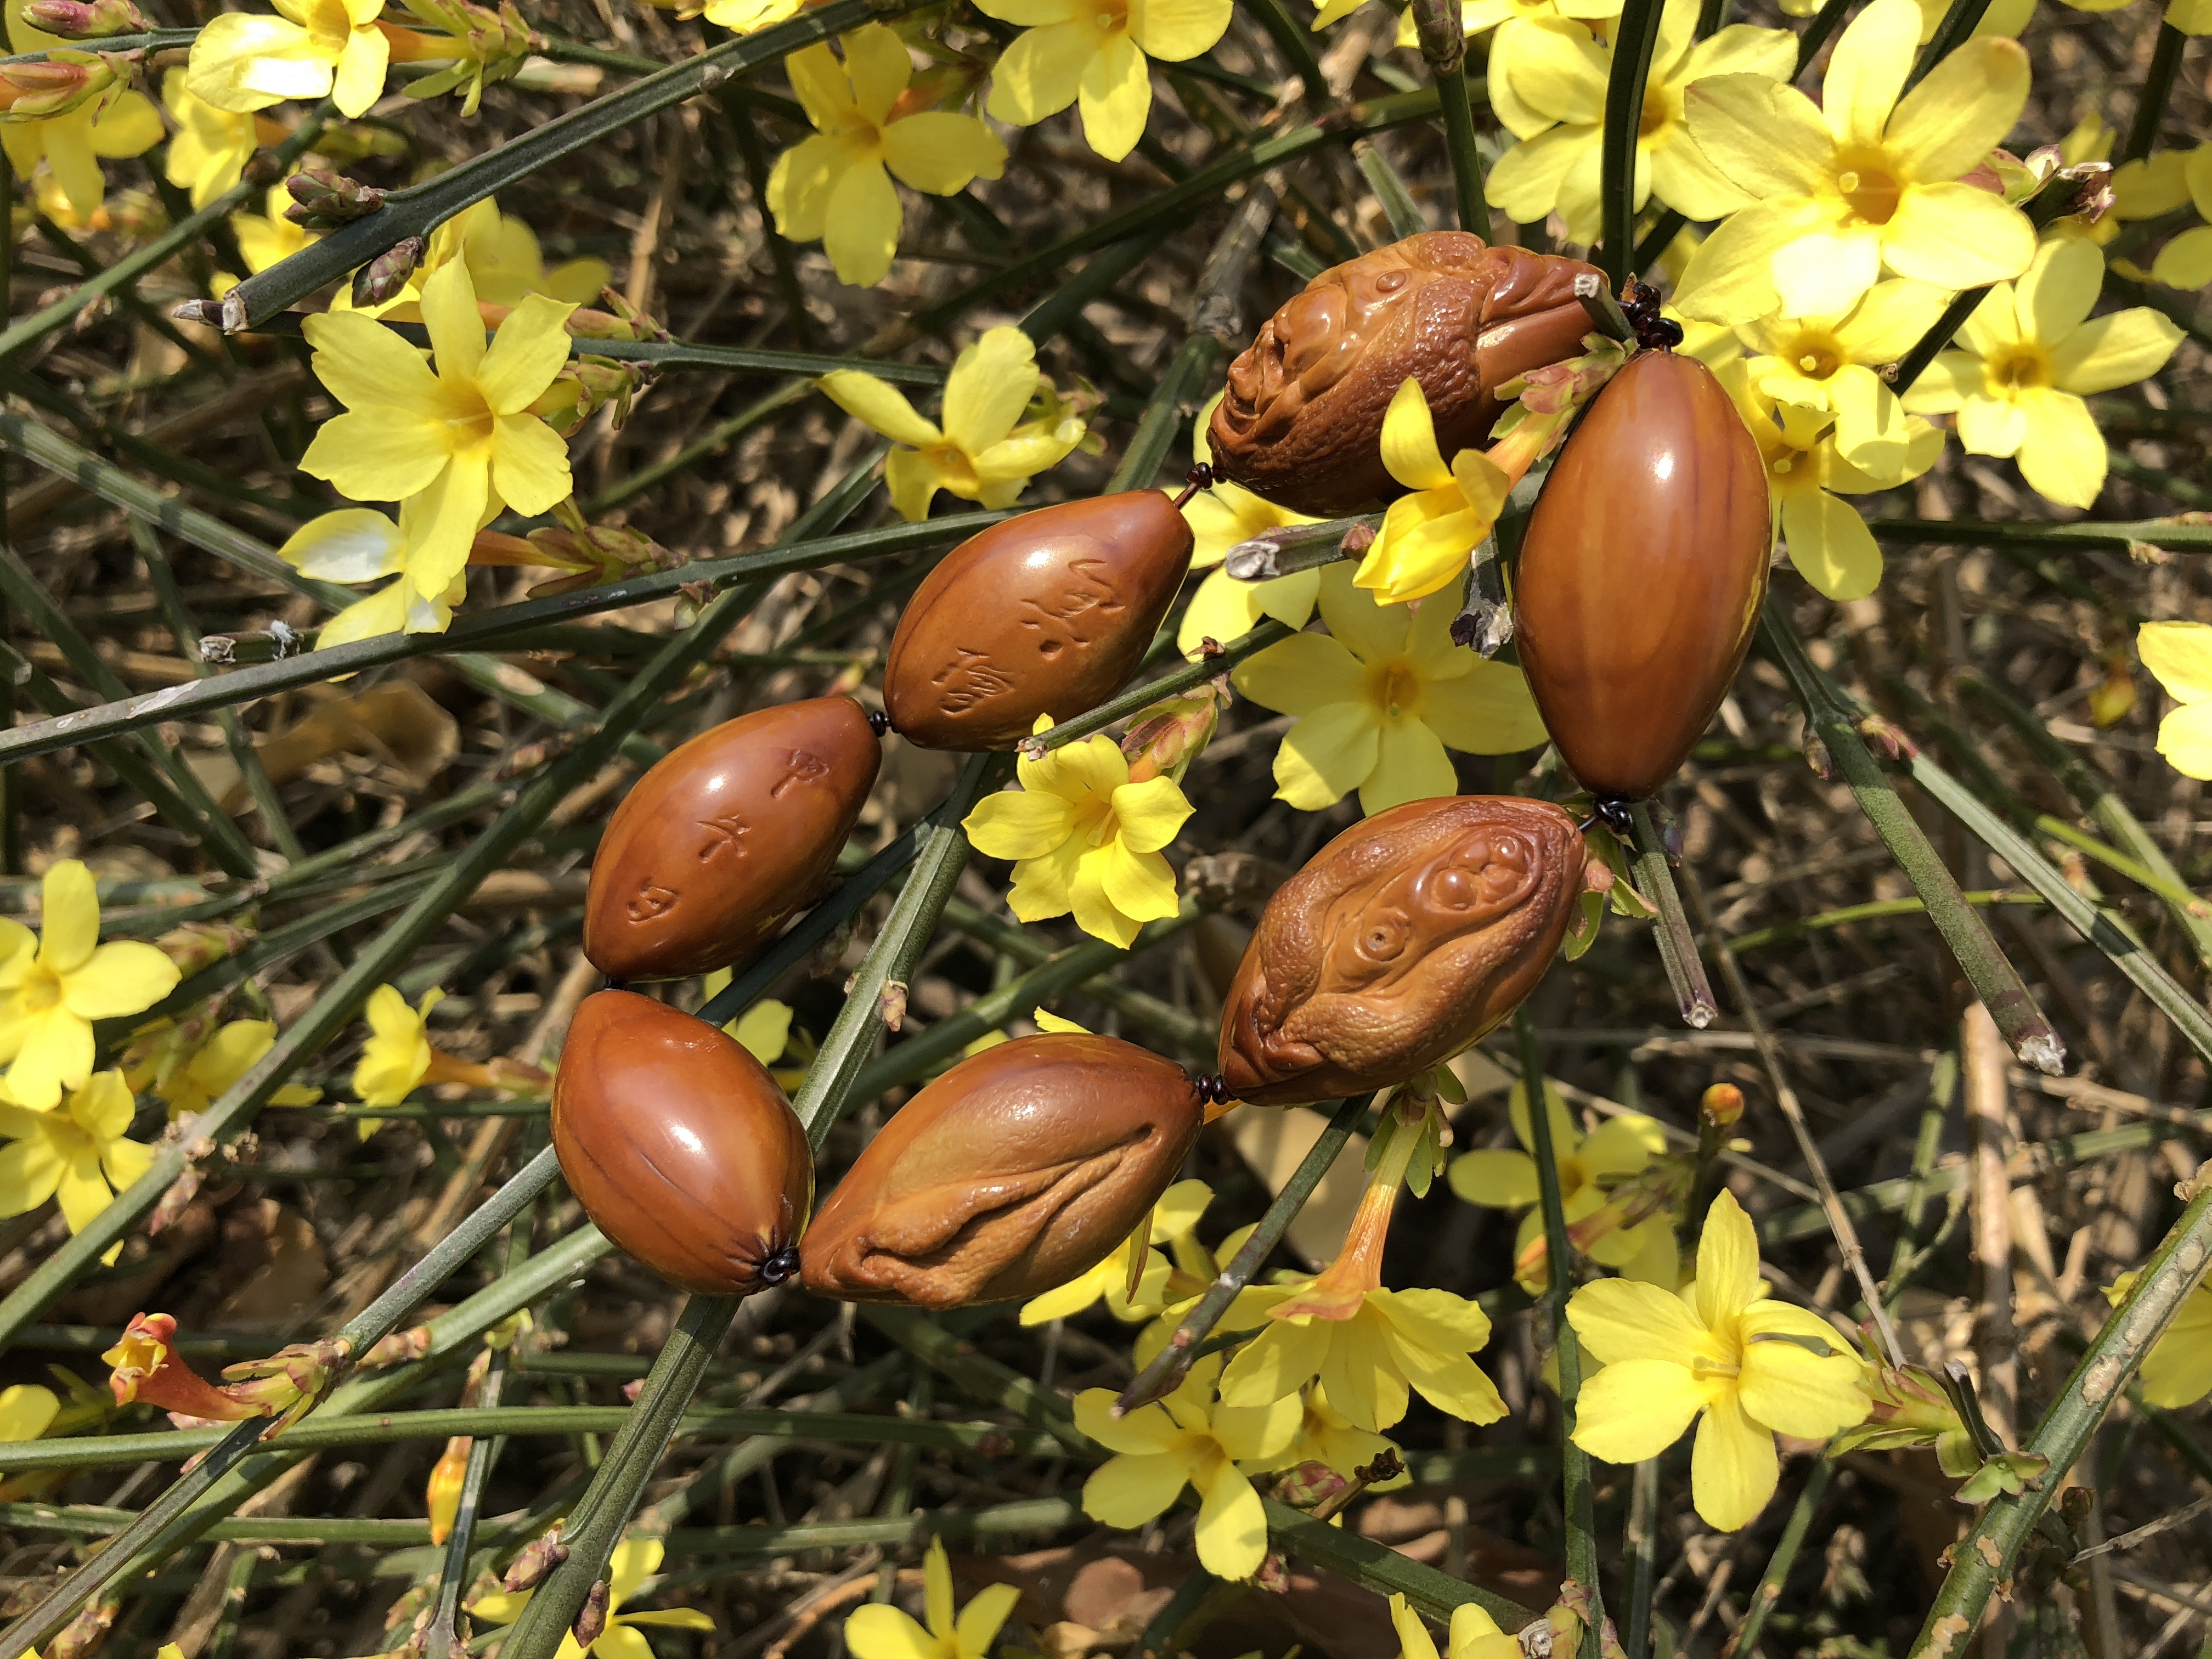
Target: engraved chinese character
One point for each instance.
(968, 680)
(653, 902)
(722, 832)
(802, 768)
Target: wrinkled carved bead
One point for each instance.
(1406, 938)
(1302, 422)
(679, 1146)
(1010, 1175)
(1641, 574)
(1045, 614)
(721, 842)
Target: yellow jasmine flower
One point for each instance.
(242, 61)
(1864, 181)
(1746, 1368)
(398, 1054)
(212, 146)
(266, 237)
(634, 1560)
(1426, 537)
(1830, 364)
(884, 1632)
(1327, 1436)
(1095, 54)
(1555, 75)
(1173, 1217)
(2032, 354)
(1191, 1439)
(461, 438)
(834, 185)
(1366, 1345)
(748, 16)
(1379, 698)
(1224, 609)
(115, 125)
(358, 544)
(1084, 838)
(2146, 189)
(28, 1411)
(51, 991)
(77, 1152)
(2176, 1372)
(2180, 655)
(985, 451)
(1826, 539)
(1476, 16)
(1474, 1634)
(1620, 1150)
(189, 1071)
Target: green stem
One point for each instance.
(1872, 910)
(1559, 1265)
(396, 1428)
(1383, 1571)
(1956, 29)
(1066, 971)
(1180, 388)
(2174, 534)
(1166, 1371)
(1995, 980)
(597, 1524)
(2103, 804)
(1633, 39)
(1678, 946)
(1745, 1642)
(1267, 632)
(2157, 90)
(485, 628)
(1987, 1556)
(1641, 1547)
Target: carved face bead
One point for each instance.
(1407, 938)
(1642, 574)
(1044, 614)
(721, 842)
(679, 1146)
(1302, 422)
(1006, 1177)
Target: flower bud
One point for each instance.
(1163, 740)
(592, 1622)
(584, 386)
(1017, 1170)
(442, 1497)
(84, 1634)
(145, 1366)
(1406, 938)
(382, 278)
(76, 20)
(1721, 1106)
(324, 201)
(287, 1384)
(540, 1556)
(37, 90)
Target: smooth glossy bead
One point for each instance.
(1408, 937)
(1045, 614)
(1641, 574)
(1301, 422)
(679, 1146)
(1007, 1177)
(716, 846)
